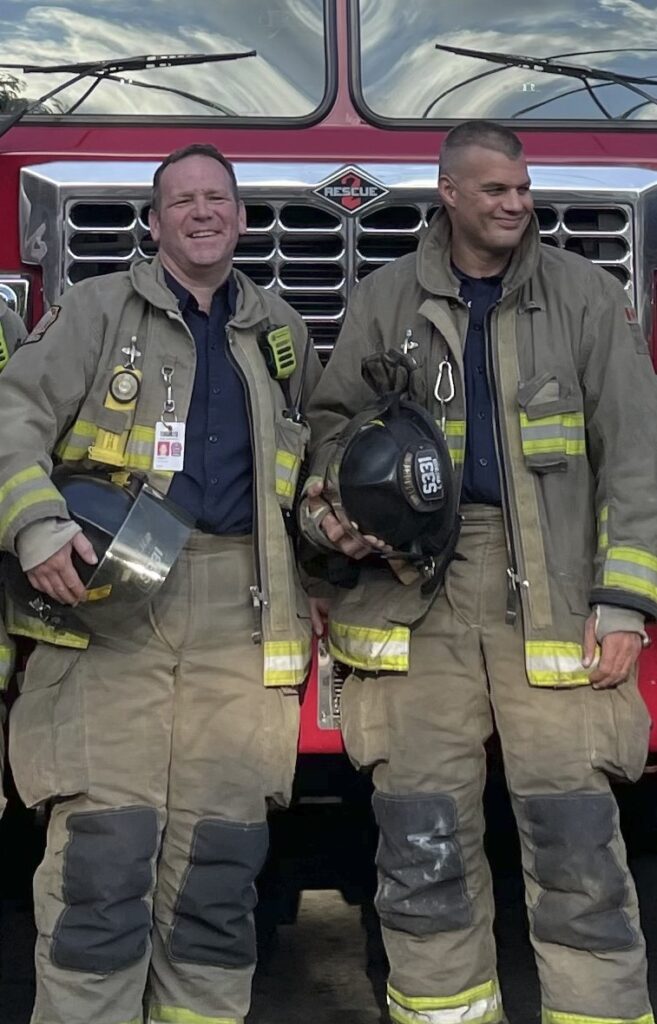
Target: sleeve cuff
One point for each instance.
(610, 618)
(38, 541)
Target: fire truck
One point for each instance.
(333, 112)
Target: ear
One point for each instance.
(446, 190)
(154, 225)
(241, 218)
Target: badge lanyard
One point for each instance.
(169, 447)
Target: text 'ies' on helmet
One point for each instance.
(137, 535)
(395, 477)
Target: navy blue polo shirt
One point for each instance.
(215, 484)
(481, 478)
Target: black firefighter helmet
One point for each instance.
(136, 533)
(396, 480)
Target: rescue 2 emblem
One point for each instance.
(350, 190)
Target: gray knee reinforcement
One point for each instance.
(421, 872)
(107, 874)
(584, 886)
(213, 921)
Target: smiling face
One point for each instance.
(488, 200)
(199, 220)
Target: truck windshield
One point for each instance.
(286, 79)
(403, 77)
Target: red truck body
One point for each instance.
(332, 192)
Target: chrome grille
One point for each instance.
(80, 219)
(295, 248)
(602, 234)
(301, 249)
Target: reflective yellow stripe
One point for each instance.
(6, 664)
(455, 437)
(603, 524)
(562, 434)
(286, 662)
(631, 569)
(75, 444)
(556, 1017)
(374, 649)
(555, 663)
(4, 349)
(479, 1005)
(39, 497)
(31, 473)
(139, 449)
(287, 472)
(20, 624)
(176, 1015)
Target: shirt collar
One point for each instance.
(226, 292)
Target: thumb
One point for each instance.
(315, 489)
(589, 645)
(84, 549)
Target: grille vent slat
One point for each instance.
(301, 248)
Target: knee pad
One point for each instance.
(107, 873)
(213, 922)
(421, 871)
(583, 884)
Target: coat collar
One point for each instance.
(148, 281)
(433, 264)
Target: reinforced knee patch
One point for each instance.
(213, 922)
(107, 873)
(421, 872)
(583, 884)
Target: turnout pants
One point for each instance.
(425, 735)
(159, 750)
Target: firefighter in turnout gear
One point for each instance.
(160, 743)
(534, 366)
(12, 331)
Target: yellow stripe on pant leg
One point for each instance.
(177, 1015)
(556, 1017)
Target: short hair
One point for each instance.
(487, 134)
(195, 149)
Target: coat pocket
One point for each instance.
(618, 728)
(364, 720)
(291, 441)
(47, 741)
(551, 424)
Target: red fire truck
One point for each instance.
(333, 111)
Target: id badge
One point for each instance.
(169, 448)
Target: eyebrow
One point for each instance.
(501, 184)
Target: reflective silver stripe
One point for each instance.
(631, 569)
(555, 663)
(362, 647)
(563, 433)
(29, 488)
(480, 1005)
(286, 663)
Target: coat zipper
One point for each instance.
(258, 596)
(514, 577)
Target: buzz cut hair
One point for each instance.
(487, 134)
(195, 149)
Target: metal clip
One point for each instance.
(445, 373)
(169, 406)
(131, 353)
(408, 344)
(258, 600)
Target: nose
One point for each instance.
(201, 209)
(514, 202)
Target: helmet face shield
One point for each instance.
(395, 478)
(136, 538)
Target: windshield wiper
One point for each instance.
(550, 66)
(108, 70)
